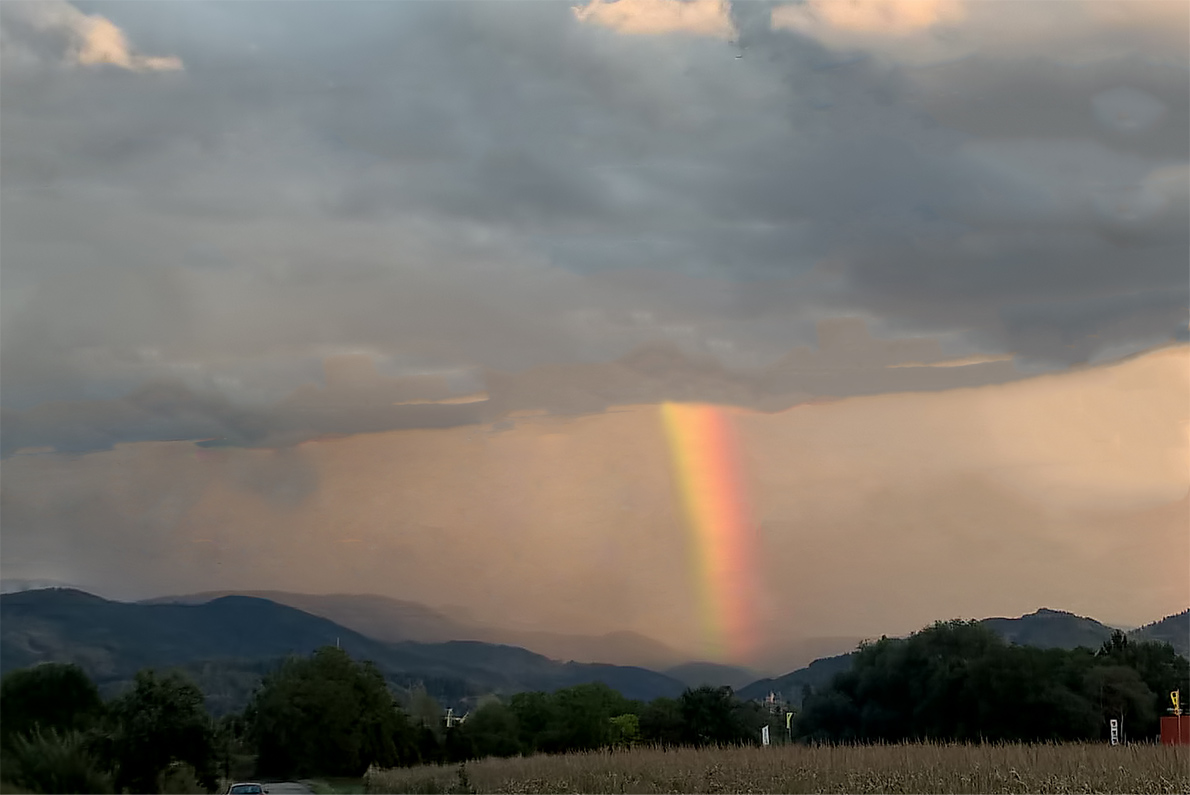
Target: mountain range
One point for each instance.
(395, 620)
(227, 641)
(231, 640)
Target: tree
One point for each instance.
(425, 709)
(661, 722)
(539, 722)
(53, 696)
(959, 681)
(711, 716)
(625, 730)
(493, 731)
(328, 715)
(1122, 695)
(457, 746)
(585, 713)
(1161, 669)
(161, 721)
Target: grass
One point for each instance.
(918, 768)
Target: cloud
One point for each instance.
(925, 31)
(503, 188)
(91, 39)
(885, 17)
(1127, 109)
(355, 398)
(658, 17)
(104, 43)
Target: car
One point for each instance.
(246, 788)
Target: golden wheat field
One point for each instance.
(920, 768)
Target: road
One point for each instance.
(287, 788)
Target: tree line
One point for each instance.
(960, 681)
(321, 715)
(330, 715)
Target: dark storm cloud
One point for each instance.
(500, 187)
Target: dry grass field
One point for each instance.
(919, 768)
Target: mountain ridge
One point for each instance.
(236, 637)
(394, 620)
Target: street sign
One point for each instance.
(1115, 732)
(764, 735)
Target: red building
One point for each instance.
(1175, 730)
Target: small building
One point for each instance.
(774, 703)
(1175, 730)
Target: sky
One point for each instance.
(392, 297)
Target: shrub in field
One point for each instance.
(51, 695)
(47, 760)
(625, 730)
(179, 779)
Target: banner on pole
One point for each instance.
(1115, 732)
(764, 735)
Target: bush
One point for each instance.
(52, 695)
(179, 779)
(46, 760)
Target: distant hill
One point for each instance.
(784, 654)
(227, 643)
(1174, 630)
(1050, 629)
(817, 674)
(393, 620)
(696, 674)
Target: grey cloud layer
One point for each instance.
(499, 187)
(356, 398)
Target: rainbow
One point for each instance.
(706, 461)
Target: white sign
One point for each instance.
(1115, 732)
(764, 735)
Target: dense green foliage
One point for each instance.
(61, 738)
(52, 695)
(159, 722)
(593, 716)
(960, 681)
(46, 760)
(327, 714)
